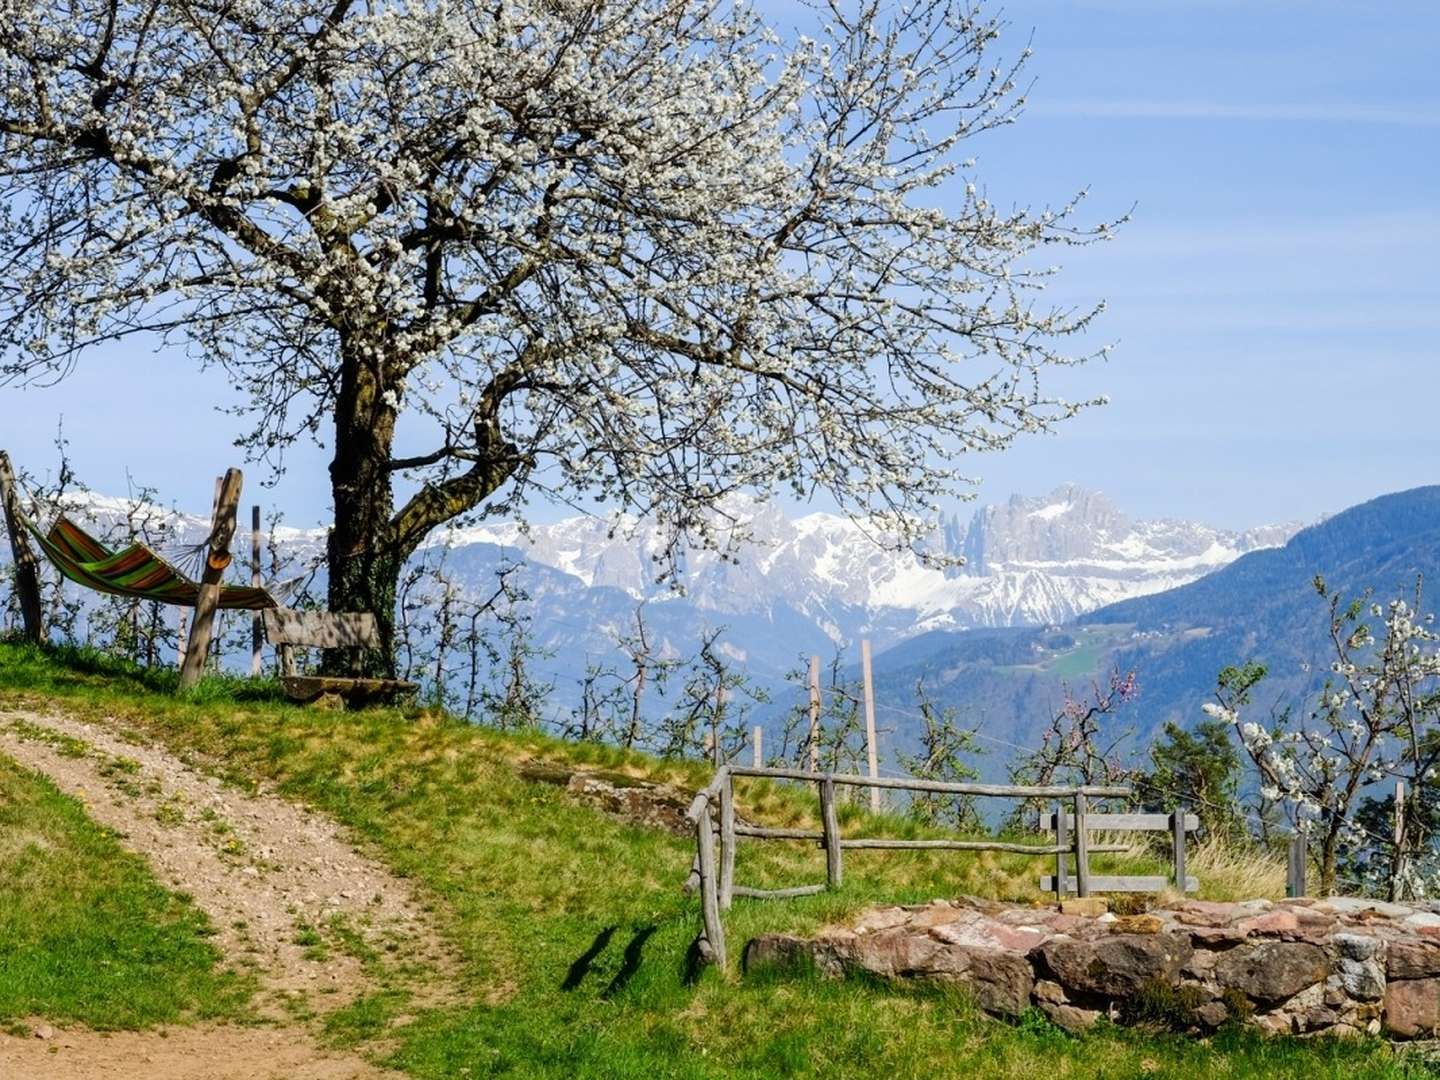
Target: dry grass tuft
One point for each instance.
(1228, 870)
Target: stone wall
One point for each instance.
(1338, 965)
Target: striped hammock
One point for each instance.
(134, 571)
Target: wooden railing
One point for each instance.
(712, 814)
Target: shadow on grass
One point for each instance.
(630, 962)
(581, 967)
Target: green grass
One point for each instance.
(86, 934)
(577, 943)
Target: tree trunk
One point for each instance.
(364, 564)
(1328, 858)
(370, 542)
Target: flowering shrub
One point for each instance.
(1376, 719)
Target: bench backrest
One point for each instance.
(321, 629)
(1123, 822)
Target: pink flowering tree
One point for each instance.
(646, 252)
(1079, 746)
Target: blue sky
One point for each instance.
(1273, 301)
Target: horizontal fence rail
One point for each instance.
(712, 815)
(1023, 791)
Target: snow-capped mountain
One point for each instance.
(1028, 561)
(805, 583)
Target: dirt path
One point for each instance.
(290, 897)
(198, 1053)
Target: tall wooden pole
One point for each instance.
(27, 566)
(870, 748)
(814, 714)
(255, 631)
(212, 653)
(717, 721)
(217, 558)
(1397, 865)
(759, 754)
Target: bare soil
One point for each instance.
(197, 1053)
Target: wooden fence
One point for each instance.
(712, 815)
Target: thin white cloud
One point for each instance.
(1203, 110)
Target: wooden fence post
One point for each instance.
(709, 892)
(1062, 841)
(834, 871)
(1397, 864)
(1082, 847)
(1295, 870)
(727, 842)
(871, 751)
(717, 721)
(1177, 820)
(217, 558)
(759, 754)
(255, 635)
(27, 566)
(814, 714)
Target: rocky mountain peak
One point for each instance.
(1069, 523)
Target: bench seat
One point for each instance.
(285, 629)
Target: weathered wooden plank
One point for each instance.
(889, 844)
(1137, 883)
(27, 565)
(321, 629)
(834, 868)
(696, 808)
(1124, 822)
(355, 690)
(217, 558)
(778, 894)
(1177, 832)
(709, 892)
(727, 843)
(692, 880)
(1019, 791)
(760, 832)
(1062, 841)
(1295, 871)
(1082, 847)
(885, 843)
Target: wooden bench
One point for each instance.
(286, 628)
(1064, 880)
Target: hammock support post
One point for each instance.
(217, 558)
(27, 566)
(256, 634)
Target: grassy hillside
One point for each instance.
(576, 940)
